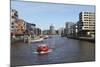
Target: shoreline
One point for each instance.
(84, 38)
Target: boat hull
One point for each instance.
(38, 40)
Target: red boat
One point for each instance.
(43, 49)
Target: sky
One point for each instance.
(46, 14)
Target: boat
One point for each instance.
(37, 40)
(46, 36)
(42, 49)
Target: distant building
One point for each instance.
(86, 24)
(37, 31)
(69, 28)
(52, 30)
(75, 30)
(46, 32)
(60, 31)
(30, 28)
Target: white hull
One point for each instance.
(38, 40)
(50, 50)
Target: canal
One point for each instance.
(64, 50)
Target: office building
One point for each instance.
(69, 28)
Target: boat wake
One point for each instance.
(50, 50)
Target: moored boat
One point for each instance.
(37, 40)
(45, 36)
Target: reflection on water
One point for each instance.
(63, 50)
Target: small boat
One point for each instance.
(45, 37)
(37, 40)
(42, 49)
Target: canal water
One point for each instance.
(64, 50)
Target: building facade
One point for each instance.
(37, 31)
(30, 28)
(52, 30)
(69, 28)
(61, 31)
(46, 32)
(20, 27)
(17, 26)
(86, 24)
(14, 18)
(75, 30)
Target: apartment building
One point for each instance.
(20, 27)
(86, 24)
(14, 17)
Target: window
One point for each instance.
(12, 23)
(12, 26)
(12, 16)
(85, 27)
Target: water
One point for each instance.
(64, 50)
